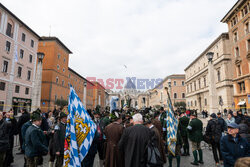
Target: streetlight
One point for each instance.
(213, 106)
(40, 56)
(210, 56)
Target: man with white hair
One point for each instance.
(133, 143)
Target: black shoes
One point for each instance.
(195, 163)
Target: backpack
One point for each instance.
(216, 130)
(154, 158)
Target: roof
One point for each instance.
(57, 40)
(179, 76)
(222, 36)
(71, 70)
(13, 15)
(232, 11)
(97, 83)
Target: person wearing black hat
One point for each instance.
(195, 135)
(113, 133)
(214, 131)
(184, 121)
(59, 139)
(222, 122)
(233, 146)
(35, 141)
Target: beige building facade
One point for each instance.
(197, 81)
(176, 88)
(18, 48)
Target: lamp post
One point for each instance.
(213, 106)
(36, 92)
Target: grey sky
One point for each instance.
(153, 38)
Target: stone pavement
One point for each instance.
(185, 161)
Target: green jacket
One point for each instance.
(35, 142)
(195, 130)
(184, 121)
(163, 121)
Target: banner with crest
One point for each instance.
(80, 132)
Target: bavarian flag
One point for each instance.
(172, 127)
(80, 132)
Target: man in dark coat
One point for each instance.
(25, 117)
(159, 140)
(59, 139)
(184, 121)
(195, 135)
(4, 139)
(12, 131)
(214, 131)
(113, 133)
(222, 122)
(233, 146)
(133, 143)
(35, 141)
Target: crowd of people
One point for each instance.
(127, 138)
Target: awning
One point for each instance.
(241, 103)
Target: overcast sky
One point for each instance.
(153, 38)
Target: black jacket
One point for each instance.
(133, 144)
(223, 124)
(25, 117)
(214, 130)
(4, 135)
(59, 137)
(231, 150)
(244, 132)
(35, 142)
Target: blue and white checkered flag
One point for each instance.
(172, 127)
(80, 132)
(113, 105)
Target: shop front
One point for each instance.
(20, 103)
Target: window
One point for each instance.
(183, 95)
(237, 52)
(183, 83)
(2, 86)
(234, 21)
(218, 75)
(247, 28)
(8, 44)
(57, 80)
(27, 91)
(55, 97)
(32, 43)
(58, 67)
(175, 95)
(191, 103)
(23, 37)
(30, 58)
(5, 66)
(17, 89)
(19, 72)
(8, 30)
(239, 70)
(194, 85)
(63, 69)
(191, 87)
(64, 60)
(248, 45)
(187, 88)
(205, 102)
(199, 82)
(174, 83)
(195, 103)
(235, 37)
(205, 82)
(1, 105)
(242, 87)
(58, 56)
(21, 53)
(29, 75)
(62, 82)
(244, 11)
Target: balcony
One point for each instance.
(238, 60)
